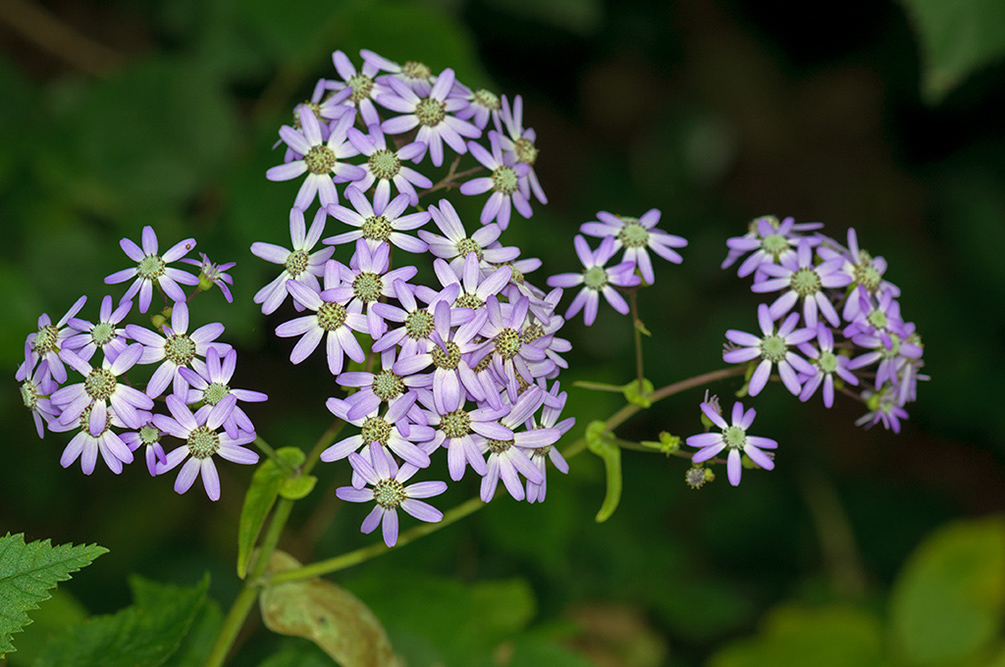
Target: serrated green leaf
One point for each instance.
(331, 617)
(956, 38)
(28, 572)
(948, 602)
(144, 635)
(265, 487)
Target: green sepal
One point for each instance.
(642, 328)
(668, 444)
(295, 488)
(266, 484)
(600, 441)
(633, 395)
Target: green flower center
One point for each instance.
(894, 348)
(472, 301)
(389, 493)
(486, 98)
(419, 324)
(595, 277)
(387, 386)
(447, 360)
(772, 220)
(84, 423)
(202, 442)
(695, 477)
(384, 164)
(100, 384)
(215, 392)
(361, 86)
(877, 318)
(507, 343)
(483, 364)
(413, 69)
(149, 435)
(466, 246)
(46, 340)
(504, 180)
(828, 362)
(313, 106)
(773, 348)
(331, 315)
(735, 437)
(430, 112)
(179, 349)
(320, 160)
(296, 262)
(367, 286)
(498, 446)
(103, 333)
(531, 332)
(633, 234)
(867, 276)
(29, 394)
(375, 429)
(151, 267)
(774, 244)
(805, 282)
(526, 152)
(456, 424)
(377, 228)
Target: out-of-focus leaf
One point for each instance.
(265, 487)
(298, 654)
(949, 600)
(833, 636)
(50, 619)
(198, 643)
(331, 617)
(28, 572)
(702, 608)
(583, 17)
(143, 635)
(956, 38)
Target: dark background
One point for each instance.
(164, 113)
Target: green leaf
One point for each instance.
(949, 600)
(832, 636)
(295, 488)
(297, 653)
(633, 395)
(956, 38)
(331, 617)
(266, 485)
(600, 441)
(27, 574)
(146, 634)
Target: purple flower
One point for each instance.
(370, 279)
(475, 288)
(418, 322)
(803, 281)
(431, 114)
(209, 384)
(504, 182)
(518, 142)
(770, 241)
(455, 245)
(46, 344)
(147, 436)
(213, 274)
(176, 349)
(105, 334)
(381, 223)
(539, 456)
(510, 352)
(35, 392)
(394, 430)
(299, 264)
(883, 408)
(826, 364)
(152, 268)
(482, 104)
(508, 459)
(384, 165)
(332, 320)
(361, 83)
(322, 160)
(733, 437)
(635, 235)
(202, 442)
(100, 389)
(389, 493)
(596, 279)
(865, 271)
(771, 348)
(85, 446)
(385, 386)
(461, 432)
(416, 75)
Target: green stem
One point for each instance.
(271, 453)
(633, 301)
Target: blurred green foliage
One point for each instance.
(714, 112)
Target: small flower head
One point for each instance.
(733, 437)
(152, 268)
(596, 279)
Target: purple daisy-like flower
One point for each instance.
(883, 408)
(322, 160)
(360, 84)
(147, 436)
(482, 105)
(743, 243)
(596, 279)
(388, 491)
(635, 235)
(417, 321)
(102, 390)
(86, 446)
(733, 437)
(539, 456)
(35, 392)
(461, 432)
(801, 279)
(826, 365)
(771, 348)
(508, 459)
(213, 274)
(105, 335)
(153, 268)
(209, 383)
(332, 319)
(382, 222)
(475, 288)
(384, 165)
(299, 264)
(202, 443)
(455, 245)
(770, 242)
(385, 386)
(510, 353)
(370, 279)
(504, 182)
(394, 430)
(866, 272)
(519, 142)
(46, 344)
(431, 114)
(176, 349)
(413, 73)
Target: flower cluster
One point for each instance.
(835, 320)
(467, 364)
(101, 402)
